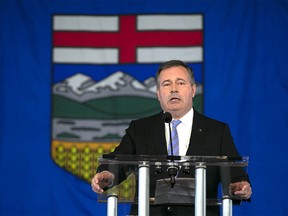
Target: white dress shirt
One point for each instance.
(184, 130)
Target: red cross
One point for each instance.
(127, 39)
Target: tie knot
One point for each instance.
(175, 123)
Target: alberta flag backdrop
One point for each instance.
(75, 73)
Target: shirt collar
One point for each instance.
(187, 119)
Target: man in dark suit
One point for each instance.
(198, 136)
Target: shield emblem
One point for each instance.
(103, 77)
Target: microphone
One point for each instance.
(172, 170)
(167, 117)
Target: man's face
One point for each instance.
(175, 91)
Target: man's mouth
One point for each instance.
(174, 99)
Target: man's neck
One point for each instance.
(179, 114)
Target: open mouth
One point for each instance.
(174, 99)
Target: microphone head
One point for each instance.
(167, 117)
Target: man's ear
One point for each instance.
(194, 87)
(157, 93)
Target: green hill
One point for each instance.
(125, 107)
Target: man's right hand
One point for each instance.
(101, 181)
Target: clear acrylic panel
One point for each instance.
(162, 189)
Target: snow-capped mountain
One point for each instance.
(81, 87)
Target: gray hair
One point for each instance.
(175, 63)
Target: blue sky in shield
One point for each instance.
(98, 72)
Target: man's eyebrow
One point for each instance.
(167, 80)
(170, 81)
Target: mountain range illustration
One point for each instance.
(81, 87)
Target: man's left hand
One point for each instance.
(242, 189)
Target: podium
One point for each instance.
(147, 167)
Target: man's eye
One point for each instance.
(166, 84)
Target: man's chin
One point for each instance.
(174, 109)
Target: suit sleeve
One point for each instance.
(228, 148)
(126, 147)
(127, 144)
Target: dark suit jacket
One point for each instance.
(209, 137)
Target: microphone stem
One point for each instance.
(171, 146)
(173, 169)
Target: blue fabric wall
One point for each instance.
(245, 85)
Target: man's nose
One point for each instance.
(174, 88)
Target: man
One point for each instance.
(198, 136)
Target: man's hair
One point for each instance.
(175, 63)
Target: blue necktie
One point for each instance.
(175, 139)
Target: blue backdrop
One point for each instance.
(245, 85)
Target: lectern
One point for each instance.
(186, 187)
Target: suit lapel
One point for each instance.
(158, 131)
(197, 136)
